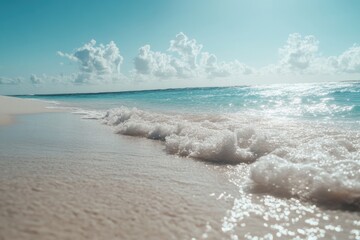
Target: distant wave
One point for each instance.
(301, 159)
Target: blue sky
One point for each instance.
(250, 32)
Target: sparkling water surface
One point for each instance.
(320, 101)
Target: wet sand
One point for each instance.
(10, 106)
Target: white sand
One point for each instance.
(10, 106)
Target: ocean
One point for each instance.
(291, 151)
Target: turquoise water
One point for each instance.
(326, 101)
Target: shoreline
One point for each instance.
(12, 106)
(63, 176)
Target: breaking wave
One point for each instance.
(206, 137)
(302, 159)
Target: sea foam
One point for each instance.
(209, 138)
(301, 159)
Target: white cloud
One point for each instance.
(69, 56)
(96, 63)
(348, 61)
(49, 79)
(36, 79)
(212, 68)
(299, 52)
(154, 63)
(300, 55)
(185, 60)
(10, 81)
(188, 49)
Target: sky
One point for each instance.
(52, 46)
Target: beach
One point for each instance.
(66, 176)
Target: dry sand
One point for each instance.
(10, 106)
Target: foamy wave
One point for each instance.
(324, 169)
(313, 162)
(333, 182)
(209, 138)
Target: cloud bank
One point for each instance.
(185, 59)
(299, 56)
